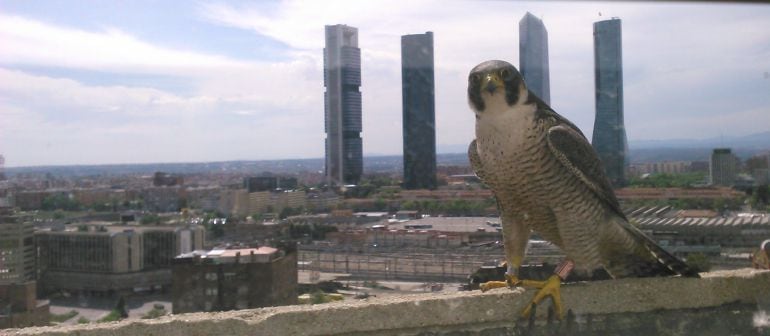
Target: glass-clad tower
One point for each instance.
(609, 136)
(342, 105)
(533, 56)
(419, 111)
(723, 167)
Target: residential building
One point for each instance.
(609, 135)
(240, 202)
(206, 198)
(419, 111)
(220, 280)
(161, 199)
(665, 167)
(17, 248)
(90, 197)
(234, 202)
(723, 167)
(533, 56)
(342, 105)
(19, 306)
(269, 183)
(275, 201)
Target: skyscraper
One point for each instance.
(342, 105)
(723, 167)
(609, 136)
(533, 56)
(419, 111)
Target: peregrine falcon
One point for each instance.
(547, 178)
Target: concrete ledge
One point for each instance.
(415, 314)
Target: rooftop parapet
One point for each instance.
(448, 313)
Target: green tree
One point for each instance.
(150, 219)
(60, 201)
(760, 197)
(120, 307)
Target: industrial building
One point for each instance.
(112, 258)
(703, 228)
(220, 280)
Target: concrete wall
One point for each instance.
(463, 313)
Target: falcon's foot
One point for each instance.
(550, 287)
(510, 281)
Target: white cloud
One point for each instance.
(113, 124)
(31, 42)
(690, 64)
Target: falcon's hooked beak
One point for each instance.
(491, 82)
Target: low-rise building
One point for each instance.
(219, 280)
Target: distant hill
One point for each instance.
(758, 141)
(676, 149)
(640, 151)
(372, 164)
(697, 149)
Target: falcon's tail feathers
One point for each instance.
(671, 262)
(666, 263)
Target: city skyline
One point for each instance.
(227, 81)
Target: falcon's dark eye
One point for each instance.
(475, 78)
(505, 74)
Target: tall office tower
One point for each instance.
(419, 111)
(342, 105)
(533, 56)
(723, 167)
(609, 136)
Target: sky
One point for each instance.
(102, 82)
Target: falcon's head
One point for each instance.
(495, 86)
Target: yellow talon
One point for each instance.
(510, 281)
(550, 287)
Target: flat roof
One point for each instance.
(451, 224)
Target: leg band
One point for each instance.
(564, 269)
